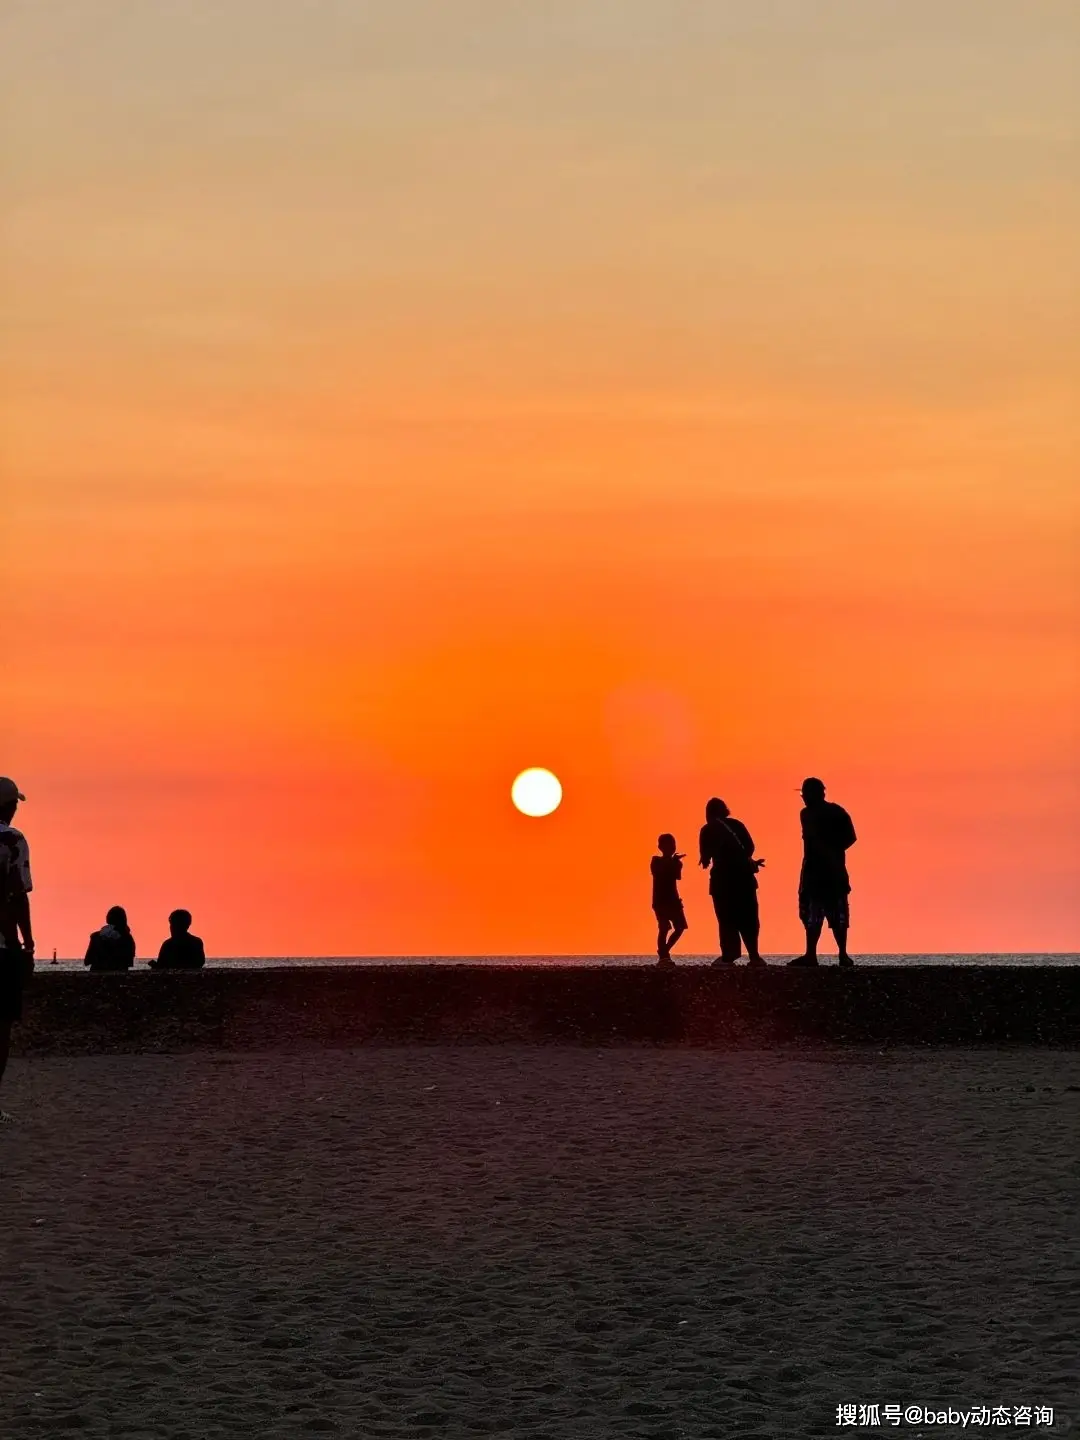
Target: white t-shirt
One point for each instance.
(14, 863)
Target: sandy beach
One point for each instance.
(521, 1242)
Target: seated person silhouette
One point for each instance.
(182, 950)
(113, 946)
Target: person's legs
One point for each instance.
(812, 920)
(678, 929)
(730, 942)
(751, 928)
(813, 935)
(661, 937)
(718, 911)
(727, 918)
(839, 919)
(5, 1046)
(13, 964)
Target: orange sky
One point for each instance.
(683, 401)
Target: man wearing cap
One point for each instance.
(824, 886)
(16, 938)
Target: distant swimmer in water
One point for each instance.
(727, 851)
(667, 906)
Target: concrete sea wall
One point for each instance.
(75, 1012)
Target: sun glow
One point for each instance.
(536, 792)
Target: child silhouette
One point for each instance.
(667, 906)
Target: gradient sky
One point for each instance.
(681, 396)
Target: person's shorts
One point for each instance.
(12, 979)
(672, 912)
(831, 910)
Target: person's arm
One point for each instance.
(746, 840)
(200, 954)
(89, 957)
(850, 832)
(755, 864)
(129, 950)
(22, 896)
(22, 920)
(704, 855)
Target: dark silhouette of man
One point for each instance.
(113, 946)
(182, 950)
(16, 934)
(728, 848)
(824, 886)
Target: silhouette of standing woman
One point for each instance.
(728, 848)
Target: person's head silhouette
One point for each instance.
(666, 844)
(180, 922)
(117, 917)
(10, 796)
(716, 810)
(813, 790)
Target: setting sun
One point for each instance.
(536, 792)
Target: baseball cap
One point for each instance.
(9, 791)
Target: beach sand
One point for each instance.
(535, 1242)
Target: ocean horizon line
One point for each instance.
(612, 959)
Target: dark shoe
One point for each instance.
(757, 960)
(804, 960)
(721, 960)
(846, 960)
(666, 962)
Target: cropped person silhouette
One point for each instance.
(667, 906)
(16, 934)
(113, 946)
(727, 846)
(824, 885)
(182, 950)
